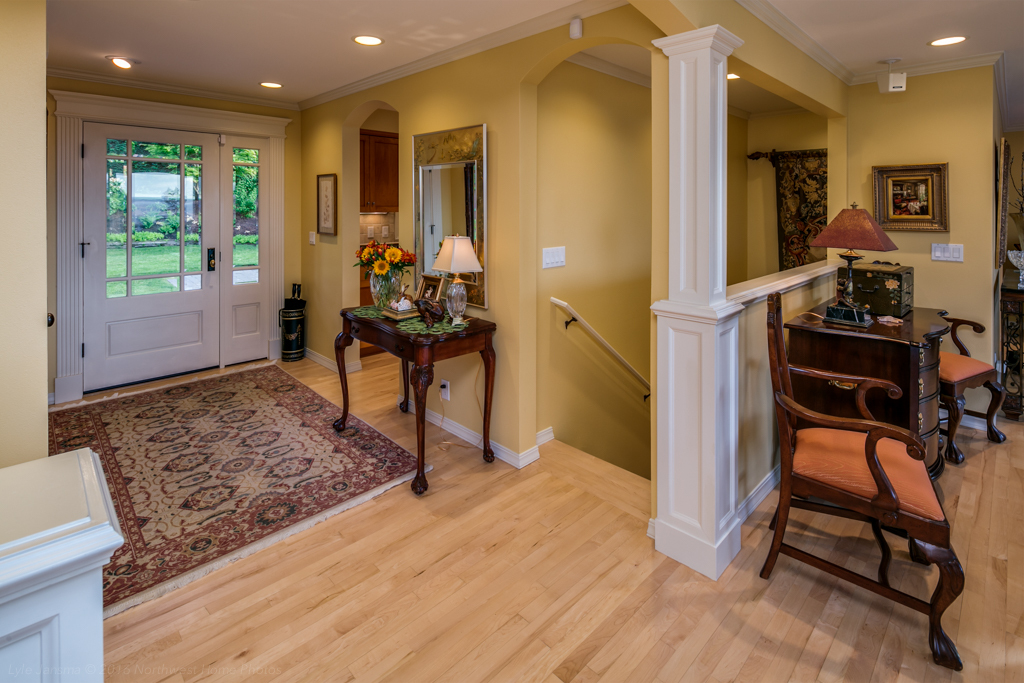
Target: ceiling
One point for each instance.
(231, 46)
(226, 48)
(903, 29)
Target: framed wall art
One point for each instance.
(327, 204)
(911, 197)
(1002, 202)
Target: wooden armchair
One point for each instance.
(958, 372)
(863, 470)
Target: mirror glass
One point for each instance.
(450, 191)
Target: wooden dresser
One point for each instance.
(906, 354)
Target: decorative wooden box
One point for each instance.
(885, 288)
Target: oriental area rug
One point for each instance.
(205, 472)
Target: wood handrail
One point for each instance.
(576, 317)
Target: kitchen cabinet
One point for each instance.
(378, 171)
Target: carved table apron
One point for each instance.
(421, 350)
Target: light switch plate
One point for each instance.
(384, 231)
(948, 252)
(553, 257)
(312, 238)
(369, 232)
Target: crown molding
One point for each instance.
(77, 75)
(781, 24)
(741, 113)
(1005, 114)
(605, 67)
(990, 59)
(545, 22)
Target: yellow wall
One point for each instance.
(784, 132)
(594, 185)
(736, 212)
(945, 117)
(293, 234)
(496, 87)
(23, 226)
(383, 120)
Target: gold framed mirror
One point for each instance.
(450, 198)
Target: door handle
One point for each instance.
(83, 245)
(49, 319)
(211, 259)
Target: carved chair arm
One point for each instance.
(885, 502)
(955, 324)
(863, 385)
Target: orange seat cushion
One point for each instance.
(955, 368)
(836, 457)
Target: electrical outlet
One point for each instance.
(384, 231)
(312, 238)
(369, 232)
(445, 388)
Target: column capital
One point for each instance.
(714, 37)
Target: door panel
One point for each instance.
(244, 323)
(151, 309)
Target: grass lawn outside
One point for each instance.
(165, 259)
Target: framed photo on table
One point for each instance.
(327, 204)
(911, 197)
(430, 287)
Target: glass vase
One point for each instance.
(385, 289)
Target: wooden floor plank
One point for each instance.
(546, 574)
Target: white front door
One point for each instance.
(151, 300)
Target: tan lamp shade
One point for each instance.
(854, 229)
(457, 256)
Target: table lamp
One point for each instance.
(457, 255)
(852, 229)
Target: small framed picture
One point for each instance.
(911, 197)
(326, 204)
(430, 287)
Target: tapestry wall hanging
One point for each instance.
(801, 194)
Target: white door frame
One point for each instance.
(72, 111)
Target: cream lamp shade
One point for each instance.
(457, 256)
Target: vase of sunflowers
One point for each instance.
(385, 265)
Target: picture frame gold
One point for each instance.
(430, 288)
(327, 204)
(1002, 201)
(911, 197)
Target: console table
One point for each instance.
(906, 354)
(421, 350)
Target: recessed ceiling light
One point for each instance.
(268, 84)
(732, 77)
(953, 40)
(368, 40)
(120, 62)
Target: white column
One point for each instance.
(70, 233)
(59, 530)
(697, 522)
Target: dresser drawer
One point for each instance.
(928, 382)
(927, 355)
(927, 417)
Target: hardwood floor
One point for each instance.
(546, 574)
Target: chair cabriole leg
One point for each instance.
(781, 517)
(883, 545)
(949, 587)
(998, 394)
(954, 405)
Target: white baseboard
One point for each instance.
(545, 435)
(650, 528)
(517, 460)
(969, 421)
(49, 398)
(707, 558)
(330, 363)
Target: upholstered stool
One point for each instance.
(958, 372)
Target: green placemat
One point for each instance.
(417, 326)
(367, 312)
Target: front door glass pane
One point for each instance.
(156, 217)
(155, 285)
(117, 148)
(246, 229)
(155, 150)
(117, 218)
(193, 218)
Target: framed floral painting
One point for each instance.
(911, 197)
